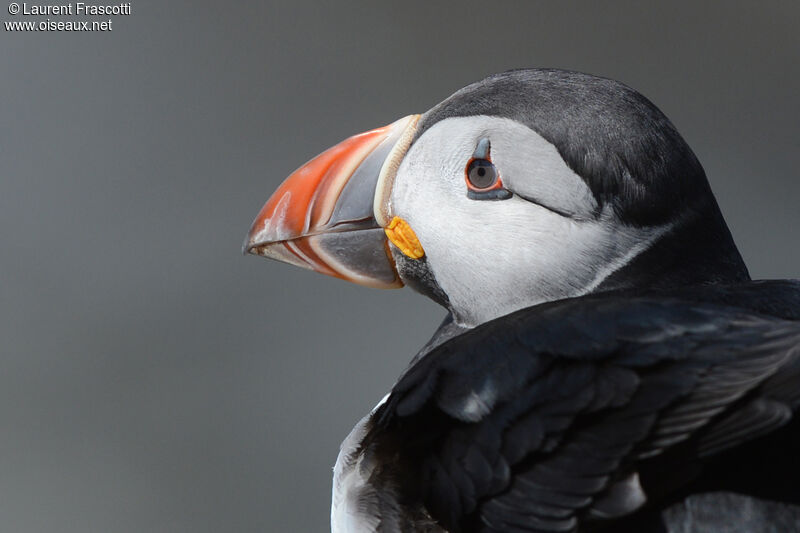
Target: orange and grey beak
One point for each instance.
(331, 215)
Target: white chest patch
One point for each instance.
(350, 487)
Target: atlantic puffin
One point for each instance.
(606, 362)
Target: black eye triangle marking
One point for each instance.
(483, 149)
(494, 194)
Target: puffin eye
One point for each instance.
(483, 180)
(481, 173)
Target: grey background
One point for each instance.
(152, 378)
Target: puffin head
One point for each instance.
(528, 186)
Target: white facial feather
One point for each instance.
(494, 257)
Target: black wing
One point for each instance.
(538, 421)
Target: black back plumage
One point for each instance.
(541, 420)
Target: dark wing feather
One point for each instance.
(538, 420)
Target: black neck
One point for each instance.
(699, 251)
